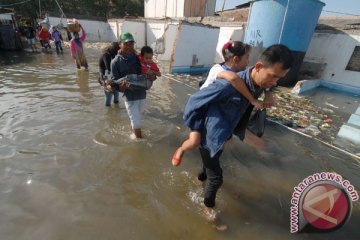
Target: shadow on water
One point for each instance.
(69, 169)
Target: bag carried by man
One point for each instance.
(257, 122)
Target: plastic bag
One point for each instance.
(256, 123)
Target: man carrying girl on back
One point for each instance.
(236, 56)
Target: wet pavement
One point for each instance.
(69, 169)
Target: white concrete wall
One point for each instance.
(173, 8)
(168, 42)
(225, 34)
(195, 40)
(95, 30)
(164, 8)
(335, 50)
(161, 36)
(137, 29)
(114, 26)
(154, 31)
(5, 16)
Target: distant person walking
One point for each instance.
(38, 29)
(30, 37)
(44, 36)
(108, 54)
(56, 35)
(77, 49)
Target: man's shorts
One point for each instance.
(31, 41)
(135, 110)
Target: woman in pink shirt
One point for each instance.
(77, 49)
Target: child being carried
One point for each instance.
(149, 71)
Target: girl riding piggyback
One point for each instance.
(236, 56)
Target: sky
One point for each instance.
(343, 6)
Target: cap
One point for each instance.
(127, 37)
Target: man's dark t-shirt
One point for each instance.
(30, 33)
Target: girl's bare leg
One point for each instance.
(192, 142)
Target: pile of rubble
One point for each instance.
(91, 45)
(297, 112)
(300, 113)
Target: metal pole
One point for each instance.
(283, 23)
(60, 8)
(222, 9)
(39, 8)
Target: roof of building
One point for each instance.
(244, 5)
(339, 23)
(6, 10)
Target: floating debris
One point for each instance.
(311, 130)
(331, 105)
(328, 110)
(328, 120)
(302, 114)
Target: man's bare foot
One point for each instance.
(210, 214)
(132, 136)
(213, 217)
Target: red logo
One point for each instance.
(325, 206)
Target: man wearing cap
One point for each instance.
(126, 62)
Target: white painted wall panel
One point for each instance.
(175, 8)
(169, 40)
(164, 8)
(195, 40)
(115, 30)
(5, 16)
(149, 8)
(154, 31)
(335, 50)
(95, 30)
(137, 29)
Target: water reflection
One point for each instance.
(69, 169)
(83, 81)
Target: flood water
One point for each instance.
(69, 170)
(343, 105)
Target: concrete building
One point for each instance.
(332, 56)
(96, 30)
(179, 8)
(335, 46)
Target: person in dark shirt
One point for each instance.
(30, 36)
(105, 72)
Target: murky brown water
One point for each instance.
(68, 169)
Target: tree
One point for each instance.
(127, 8)
(98, 8)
